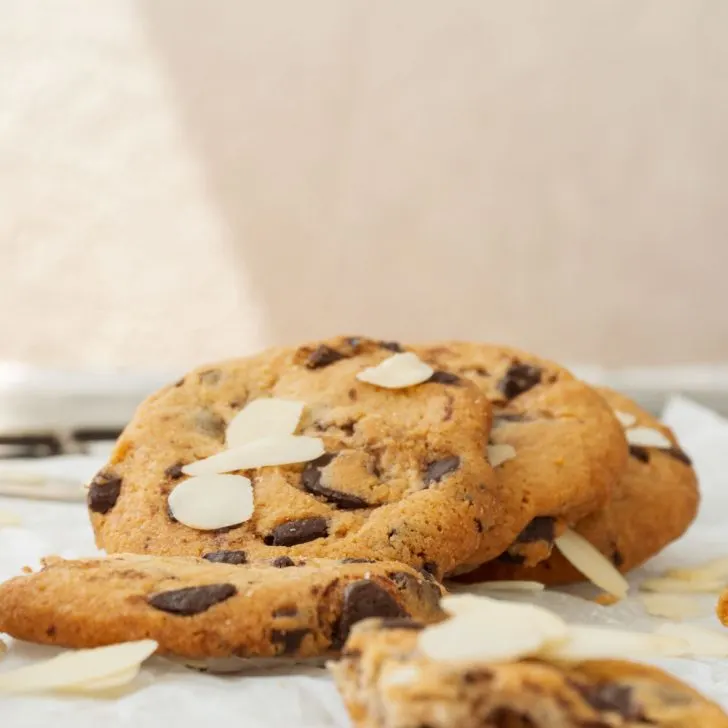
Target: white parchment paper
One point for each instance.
(170, 695)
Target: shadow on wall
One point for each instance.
(480, 170)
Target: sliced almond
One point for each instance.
(9, 519)
(511, 586)
(499, 454)
(110, 682)
(594, 643)
(400, 675)
(709, 571)
(267, 451)
(212, 501)
(626, 419)
(671, 606)
(702, 642)
(397, 372)
(77, 668)
(648, 437)
(592, 563)
(263, 418)
(681, 586)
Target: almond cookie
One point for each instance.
(386, 682)
(400, 472)
(554, 440)
(652, 504)
(218, 607)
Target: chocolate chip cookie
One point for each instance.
(564, 447)
(652, 504)
(386, 682)
(219, 606)
(403, 475)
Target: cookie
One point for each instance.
(220, 606)
(387, 683)
(652, 504)
(403, 475)
(563, 446)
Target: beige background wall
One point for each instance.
(182, 180)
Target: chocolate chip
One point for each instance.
(282, 562)
(678, 454)
(210, 424)
(400, 623)
(442, 377)
(289, 610)
(476, 675)
(403, 580)
(641, 453)
(191, 600)
(104, 492)
(311, 482)
(394, 346)
(519, 378)
(174, 472)
(613, 698)
(617, 558)
(364, 599)
(289, 639)
(509, 718)
(430, 567)
(300, 531)
(322, 356)
(438, 469)
(227, 557)
(353, 394)
(478, 525)
(509, 417)
(508, 558)
(180, 382)
(540, 528)
(210, 377)
(357, 561)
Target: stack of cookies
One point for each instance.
(261, 507)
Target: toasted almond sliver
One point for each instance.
(110, 682)
(9, 519)
(702, 642)
(511, 586)
(681, 586)
(263, 418)
(593, 564)
(76, 668)
(626, 419)
(671, 606)
(267, 451)
(593, 643)
(398, 371)
(709, 571)
(499, 454)
(209, 502)
(648, 437)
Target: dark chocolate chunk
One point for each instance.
(438, 469)
(404, 580)
(364, 599)
(174, 472)
(300, 531)
(357, 561)
(289, 639)
(519, 378)
(476, 675)
(290, 610)
(611, 698)
(311, 481)
(641, 453)
(282, 562)
(394, 346)
(540, 528)
(617, 558)
(191, 600)
(478, 525)
(104, 492)
(442, 377)
(678, 454)
(508, 558)
(509, 718)
(210, 424)
(431, 567)
(400, 623)
(322, 356)
(227, 557)
(502, 417)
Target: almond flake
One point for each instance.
(263, 418)
(709, 571)
(513, 586)
(77, 668)
(648, 437)
(499, 454)
(592, 563)
(110, 682)
(595, 643)
(626, 419)
(267, 451)
(681, 586)
(9, 519)
(400, 675)
(702, 642)
(397, 372)
(671, 606)
(210, 502)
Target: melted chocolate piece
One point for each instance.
(640, 453)
(302, 530)
(104, 492)
(443, 377)
(227, 557)
(364, 599)
(438, 469)
(311, 482)
(519, 378)
(540, 528)
(322, 356)
(290, 640)
(191, 600)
